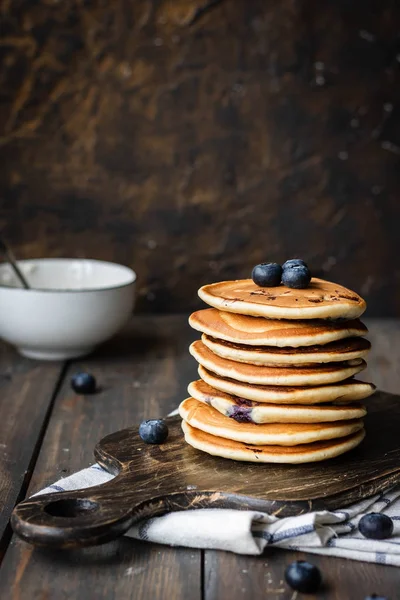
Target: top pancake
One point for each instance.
(258, 331)
(320, 300)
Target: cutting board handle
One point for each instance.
(54, 520)
(103, 513)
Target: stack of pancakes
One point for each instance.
(276, 368)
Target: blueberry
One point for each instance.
(83, 383)
(375, 597)
(302, 576)
(267, 274)
(376, 526)
(294, 262)
(297, 277)
(153, 431)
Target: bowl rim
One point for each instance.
(132, 273)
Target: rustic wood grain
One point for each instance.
(193, 139)
(236, 577)
(26, 390)
(143, 374)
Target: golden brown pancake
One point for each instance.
(320, 300)
(246, 411)
(307, 376)
(340, 351)
(345, 391)
(259, 331)
(206, 418)
(306, 453)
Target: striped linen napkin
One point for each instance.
(334, 533)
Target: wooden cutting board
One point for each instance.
(152, 480)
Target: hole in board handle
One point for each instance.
(70, 508)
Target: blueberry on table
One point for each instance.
(376, 526)
(153, 431)
(83, 383)
(303, 577)
(294, 262)
(297, 277)
(267, 274)
(375, 597)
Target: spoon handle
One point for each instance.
(11, 259)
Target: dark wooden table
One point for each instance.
(47, 432)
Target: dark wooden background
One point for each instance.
(194, 138)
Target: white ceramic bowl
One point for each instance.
(74, 305)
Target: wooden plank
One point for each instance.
(26, 391)
(237, 577)
(142, 374)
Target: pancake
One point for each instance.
(206, 418)
(302, 376)
(258, 331)
(320, 300)
(246, 411)
(306, 453)
(340, 351)
(344, 391)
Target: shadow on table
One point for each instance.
(120, 552)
